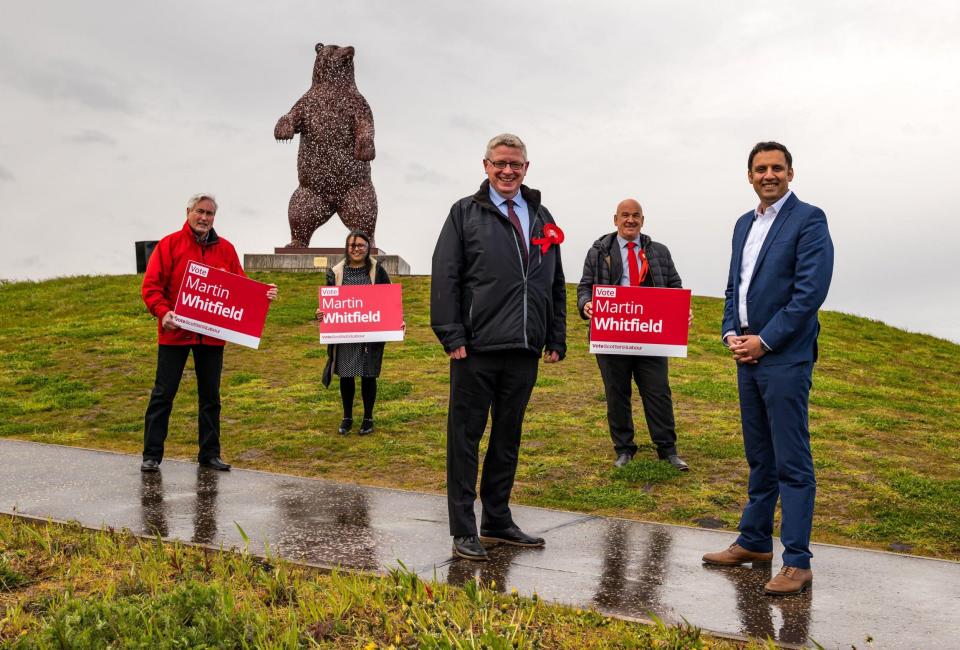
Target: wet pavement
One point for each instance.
(620, 567)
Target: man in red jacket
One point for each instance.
(196, 241)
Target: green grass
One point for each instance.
(67, 587)
(77, 358)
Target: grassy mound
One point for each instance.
(77, 358)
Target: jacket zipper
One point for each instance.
(202, 259)
(526, 270)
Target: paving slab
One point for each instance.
(621, 567)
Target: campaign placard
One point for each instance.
(648, 321)
(361, 313)
(222, 305)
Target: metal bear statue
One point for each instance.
(336, 146)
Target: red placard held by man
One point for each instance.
(361, 313)
(647, 321)
(222, 305)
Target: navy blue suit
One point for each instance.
(789, 283)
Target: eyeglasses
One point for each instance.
(358, 247)
(502, 164)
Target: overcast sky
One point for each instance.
(113, 113)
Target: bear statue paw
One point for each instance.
(284, 129)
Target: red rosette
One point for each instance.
(552, 235)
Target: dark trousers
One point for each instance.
(776, 439)
(650, 374)
(498, 384)
(208, 364)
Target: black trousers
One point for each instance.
(498, 384)
(650, 375)
(208, 364)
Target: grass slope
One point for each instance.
(77, 358)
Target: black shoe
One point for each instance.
(150, 465)
(217, 464)
(469, 548)
(366, 427)
(622, 460)
(677, 462)
(345, 426)
(512, 535)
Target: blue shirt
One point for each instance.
(519, 206)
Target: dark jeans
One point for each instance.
(653, 384)
(208, 364)
(498, 384)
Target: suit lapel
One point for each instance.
(741, 231)
(616, 262)
(775, 228)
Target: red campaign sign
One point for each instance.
(222, 305)
(644, 321)
(361, 313)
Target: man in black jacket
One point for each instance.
(648, 264)
(496, 303)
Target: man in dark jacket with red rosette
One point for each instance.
(199, 242)
(628, 257)
(497, 302)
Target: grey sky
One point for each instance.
(115, 112)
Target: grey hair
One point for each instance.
(196, 198)
(505, 140)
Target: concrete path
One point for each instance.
(620, 567)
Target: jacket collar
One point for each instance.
(609, 244)
(212, 238)
(530, 195)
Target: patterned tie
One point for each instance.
(635, 278)
(512, 215)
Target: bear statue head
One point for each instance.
(333, 63)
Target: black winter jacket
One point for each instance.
(482, 295)
(604, 266)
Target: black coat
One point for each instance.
(373, 350)
(483, 296)
(603, 265)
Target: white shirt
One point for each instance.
(624, 252)
(751, 251)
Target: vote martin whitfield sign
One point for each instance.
(644, 321)
(361, 313)
(222, 305)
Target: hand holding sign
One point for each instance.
(168, 321)
(222, 305)
(361, 313)
(639, 320)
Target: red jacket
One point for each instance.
(165, 271)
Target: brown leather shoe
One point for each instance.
(790, 580)
(736, 555)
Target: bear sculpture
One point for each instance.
(335, 124)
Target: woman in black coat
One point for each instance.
(351, 360)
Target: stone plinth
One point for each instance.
(315, 262)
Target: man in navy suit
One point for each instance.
(780, 272)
